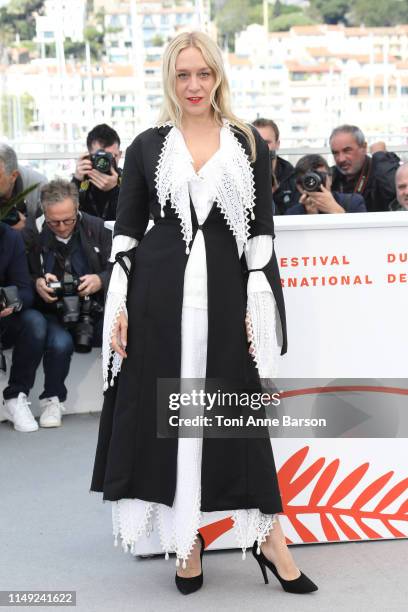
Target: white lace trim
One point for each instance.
(111, 360)
(174, 171)
(173, 537)
(114, 305)
(133, 518)
(251, 525)
(262, 315)
(235, 186)
(265, 348)
(234, 182)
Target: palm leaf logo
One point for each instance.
(335, 515)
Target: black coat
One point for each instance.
(379, 189)
(131, 461)
(286, 193)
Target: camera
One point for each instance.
(102, 161)
(313, 180)
(9, 298)
(12, 217)
(84, 329)
(76, 312)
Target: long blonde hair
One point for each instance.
(220, 95)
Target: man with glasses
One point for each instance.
(321, 199)
(74, 244)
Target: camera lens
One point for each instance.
(102, 164)
(311, 183)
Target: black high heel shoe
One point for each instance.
(189, 585)
(299, 585)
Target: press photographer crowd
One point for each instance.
(54, 247)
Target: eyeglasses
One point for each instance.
(65, 222)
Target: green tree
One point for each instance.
(17, 17)
(287, 21)
(381, 14)
(157, 40)
(235, 16)
(74, 49)
(330, 11)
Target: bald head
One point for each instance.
(401, 184)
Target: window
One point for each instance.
(353, 91)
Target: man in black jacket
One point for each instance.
(99, 189)
(356, 172)
(283, 180)
(72, 249)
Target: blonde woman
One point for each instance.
(190, 310)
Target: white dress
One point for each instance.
(178, 525)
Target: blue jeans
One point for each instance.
(33, 337)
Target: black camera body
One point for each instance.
(76, 312)
(102, 161)
(68, 286)
(9, 298)
(12, 217)
(313, 181)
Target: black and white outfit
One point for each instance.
(187, 297)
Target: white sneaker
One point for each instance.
(52, 412)
(18, 412)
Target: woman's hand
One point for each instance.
(119, 335)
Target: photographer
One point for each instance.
(19, 185)
(373, 177)
(283, 181)
(97, 175)
(313, 181)
(69, 265)
(21, 328)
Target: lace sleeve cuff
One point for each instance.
(114, 305)
(263, 318)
